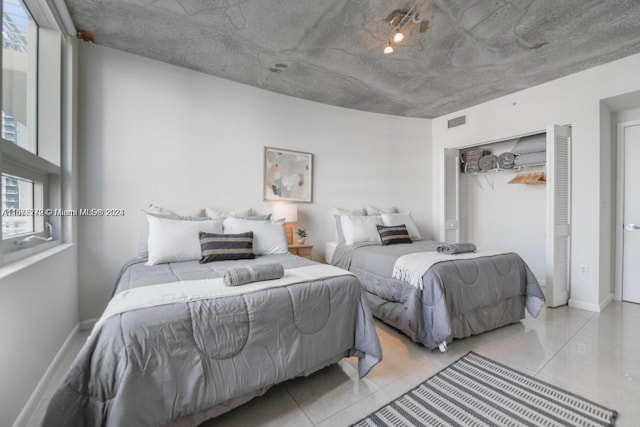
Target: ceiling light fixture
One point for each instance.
(398, 36)
(399, 19)
(388, 48)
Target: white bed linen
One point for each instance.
(411, 267)
(329, 249)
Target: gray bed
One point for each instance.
(459, 298)
(179, 364)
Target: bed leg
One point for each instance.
(443, 347)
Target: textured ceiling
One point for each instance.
(330, 51)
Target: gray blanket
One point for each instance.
(152, 366)
(531, 144)
(460, 298)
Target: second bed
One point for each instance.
(457, 296)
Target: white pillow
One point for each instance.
(358, 228)
(268, 236)
(155, 210)
(173, 240)
(217, 213)
(192, 213)
(402, 218)
(372, 210)
(355, 211)
(337, 212)
(159, 210)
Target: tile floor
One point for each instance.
(596, 355)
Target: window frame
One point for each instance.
(22, 163)
(18, 162)
(40, 197)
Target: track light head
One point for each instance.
(388, 48)
(398, 36)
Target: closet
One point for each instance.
(530, 216)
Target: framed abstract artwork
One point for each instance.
(288, 175)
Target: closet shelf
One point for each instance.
(513, 169)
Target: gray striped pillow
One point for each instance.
(393, 234)
(224, 247)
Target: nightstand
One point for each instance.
(303, 250)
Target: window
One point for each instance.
(19, 75)
(29, 165)
(17, 203)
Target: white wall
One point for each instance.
(38, 310)
(156, 133)
(571, 100)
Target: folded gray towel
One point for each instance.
(488, 162)
(235, 276)
(456, 248)
(471, 155)
(471, 167)
(505, 160)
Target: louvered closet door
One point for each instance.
(558, 214)
(450, 202)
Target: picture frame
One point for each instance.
(288, 176)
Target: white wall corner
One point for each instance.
(605, 302)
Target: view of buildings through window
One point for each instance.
(19, 50)
(17, 194)
(16, 58)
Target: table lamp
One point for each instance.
(288, 212)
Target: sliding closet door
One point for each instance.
(450, 196)
(558, 214)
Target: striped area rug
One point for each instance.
(476, 391)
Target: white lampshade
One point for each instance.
(286, 211)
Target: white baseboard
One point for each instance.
(591, 306)
(605, 302)
(35, 398)
(87, 324)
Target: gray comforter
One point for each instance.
(152, 366)
(460, 298)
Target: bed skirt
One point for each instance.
(464, 325)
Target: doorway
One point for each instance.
(629, 212)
